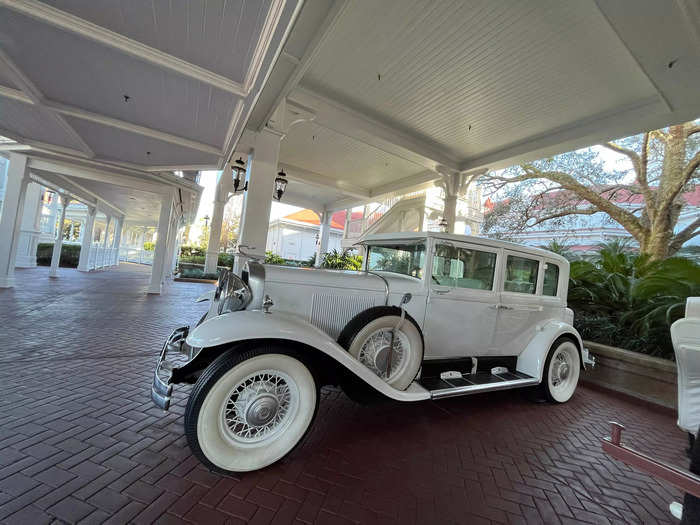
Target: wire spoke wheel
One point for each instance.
(562, 371)
(377, 350)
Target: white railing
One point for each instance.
(135, 255)
(100, 257)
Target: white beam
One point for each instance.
(73, 24)
(370, 130)
(318, 180)
(46, 180)
(82, 114)
(310, 53)
(36, 96)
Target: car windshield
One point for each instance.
(407, 259)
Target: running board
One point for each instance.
(476, 383)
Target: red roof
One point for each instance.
(310, 217)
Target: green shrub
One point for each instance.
(195, 273)
(336, 260)
(189, 250)
(273, 258)
(149, 246)
(224, 259)
(623, 299)
(70, 255)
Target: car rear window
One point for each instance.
(521, 275)
(550, 283)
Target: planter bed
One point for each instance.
(648, 378)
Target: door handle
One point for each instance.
(500, 307)
(441, 292)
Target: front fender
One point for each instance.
(531, 360)
(255, 324)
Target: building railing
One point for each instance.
(100, 257)
(134, 255)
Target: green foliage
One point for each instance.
(559, 248)
(273, 258)
(224, 259)
(149, 246)
(196, 273)
(70, 255)
(623, 298)
(336, 260)
(190, 250)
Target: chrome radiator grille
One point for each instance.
(331, 313)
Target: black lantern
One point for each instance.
(238, 171)
(443, 225)
(280, 185)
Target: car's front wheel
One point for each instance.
(561, 371)
(248, 410)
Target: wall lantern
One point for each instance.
(280, 185)
(443, 225)
(238, 172)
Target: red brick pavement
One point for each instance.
(81, 442)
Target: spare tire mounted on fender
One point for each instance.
(367, 337)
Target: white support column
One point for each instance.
(172, 245)
(11, 217)
(323, 234)
(88, 236)
(105, 241)
(346, 227)
(58, 241)
(223, 187)
(30, 228)
(118, 227)
(159, 257)
(255, 216)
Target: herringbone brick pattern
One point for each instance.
(81, 442)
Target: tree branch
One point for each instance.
(564, 213)
(685, 235)
(692, 130)
(691, 167)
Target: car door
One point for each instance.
(521, 306)
(462, 307)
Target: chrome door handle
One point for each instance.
(500, 307)
(441, 292)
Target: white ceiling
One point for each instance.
(402, 86)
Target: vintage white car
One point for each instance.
(432, 315)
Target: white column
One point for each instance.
(348, 218)
(255, 216)
(106, 239)
(88, 236)
(172, 245)
(30, 227)
(223, 187)
(159, 257)
(11, 217)
(323, 234)
(118, 227)
(58, 241)
(450, 212)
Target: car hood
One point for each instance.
(352, 280)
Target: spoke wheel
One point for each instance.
(562, 370)
(250, 409)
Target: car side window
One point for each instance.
(463, 267)
(521, 275)
(550, 283)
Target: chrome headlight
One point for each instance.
(232, 293)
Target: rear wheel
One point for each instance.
(248, 410)
(561, 371)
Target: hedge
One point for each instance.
(70, 255)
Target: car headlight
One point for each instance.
(233, 294)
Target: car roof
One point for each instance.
(492, 243)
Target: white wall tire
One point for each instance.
(249, 410)
(367, 338)
(561, 371)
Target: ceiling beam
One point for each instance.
(315, 179)
(79, 26)
(44, 180)
(32, 92)
(266, 35)
(310, 53)
(368, 129)
(82, 114)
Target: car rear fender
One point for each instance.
(236, 327)
(531, 360)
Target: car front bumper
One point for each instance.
(162, 388)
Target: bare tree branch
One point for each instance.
(692, 130)
(565, 213)
(685, 235)
(691, 167)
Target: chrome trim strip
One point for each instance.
(386, 285)
(476, 389)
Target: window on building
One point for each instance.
(463, 267)
(550, 283)
(521, 275)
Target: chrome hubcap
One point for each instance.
(377, 348)
(259, 406)
(560, 369)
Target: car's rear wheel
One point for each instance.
(368, 338)
(248, 410)
(561, 371)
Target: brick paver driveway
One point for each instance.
(81, 442)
